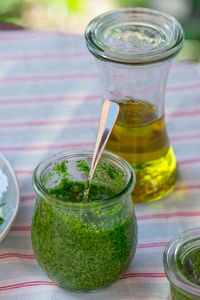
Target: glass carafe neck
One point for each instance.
(125, 82)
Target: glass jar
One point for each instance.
(134, 48)
(84, 246)
(182, 265)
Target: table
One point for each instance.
(10, 26)
(50, 100)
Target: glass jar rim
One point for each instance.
(170, 264)
(44, 164)
(162, 25)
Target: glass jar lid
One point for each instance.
(181, 261)
(134, 36)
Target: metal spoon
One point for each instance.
(108, 117)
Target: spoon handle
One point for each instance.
(108, 117)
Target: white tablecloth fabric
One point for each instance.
(50, 100)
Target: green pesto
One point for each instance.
(83, 250)
(83, 166)
(178, 295)
(61, 168)
(110, 169)
(74, 191)
(189, 266)
(70, 190)
(197, 264)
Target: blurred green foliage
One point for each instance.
(131, 3)
(10, 9)
(76, 5)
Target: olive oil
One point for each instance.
(140, 137)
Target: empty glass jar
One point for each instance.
(134, 48)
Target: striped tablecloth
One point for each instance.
(50, 100)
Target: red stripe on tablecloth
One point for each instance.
(52, 122)
(185, 87)
(152, 245)
(184, 65)
(21, 228)
(44, 56)
(48, 77)
(73, 121)
(55, 77)
(84, 98)
(185, 137)
(27, 198)
(20, 255)
(81, 120)
(38, 283)
(45, 147)
(169, 215)
(139, 275)
(65, 146)
(25, 284)
(186, 113)
(32, 256)
(50, 99)
(18, 172)
(187, 187)
(189, 161)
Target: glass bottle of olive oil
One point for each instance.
(140, 137)
(134, 48)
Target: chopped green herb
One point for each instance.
(83, 166)
(61, 168)
(189, 266)
(1, 220)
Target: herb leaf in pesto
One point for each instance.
(1, 220)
